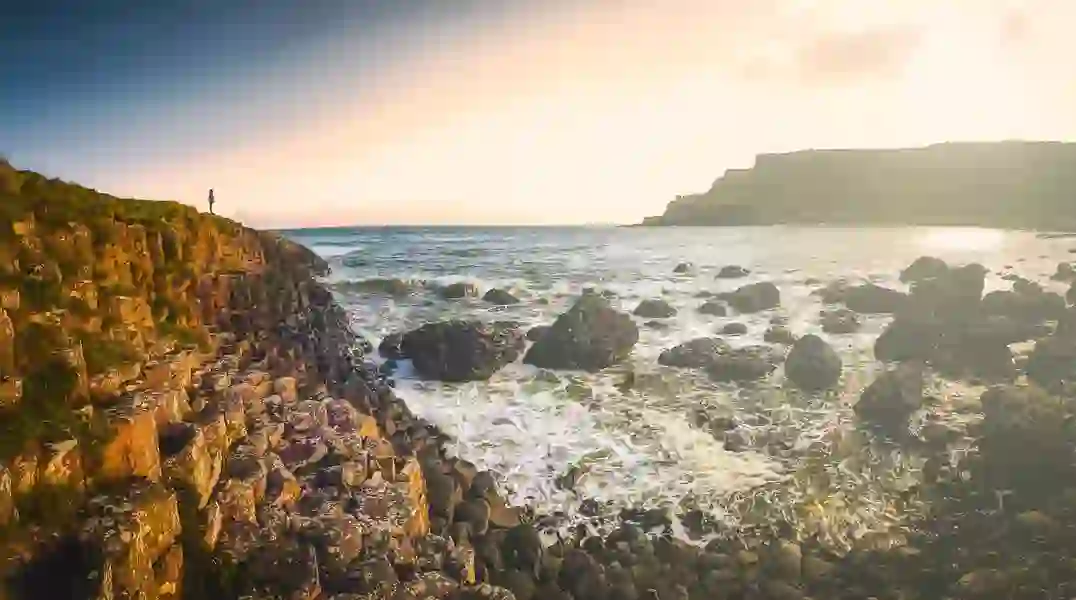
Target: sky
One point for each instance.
(341, 112)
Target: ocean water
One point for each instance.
(793, 457)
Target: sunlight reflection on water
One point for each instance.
(961, 238)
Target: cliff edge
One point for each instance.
(183, 413)
(1003, 184)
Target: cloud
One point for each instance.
(843, 57)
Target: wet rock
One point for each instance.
(892, 398)
(654, 309)
(732, 272)
(535, 333)
(812, 364)
(734, 329)
(684, 268)
(1065, 272)
(779, 335)
(390, 346)
(924, 267)
(475, 513)
(755, 297)
(950, 295)
(658, 325)
(834, 292)
(500, 297)
(908, 339)
(697, 353)
(462, 350)
(1028, 303)
(590, 336)
(1026, 442)
(456, 291)
(581, 575)
(743, 364)
(874, 299)
(713, 308)
(389, 287)
(1052, 363)
(840, 321)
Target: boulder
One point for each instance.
(713, 308)
(743, 364)
(455, 291)
(948, 295)
(893, 397)
(908, 339)
(1065, 272)
(779, 334)
(840, 321)
(1052, 364)
(684, 268)
(734, 329)
(812, 364)
(1027, 441)
(834, 292)
(462, 350)
(874, 299)
(924, 267)
(654, 309)
(732, 272)
(535, 333)
(1027, 302)
(590, 336)
(755, 297)
(697, 353)
(500, 297)
(390, 346)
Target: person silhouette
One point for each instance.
(212, 201)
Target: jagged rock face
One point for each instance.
(462, 350)
(812, 364)
(590, 336)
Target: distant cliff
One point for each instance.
(1001, 184)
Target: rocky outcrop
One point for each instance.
(942, 184)
(184, 415)
(590, 336)
(462, 350)
(500, 297)
(892, 398)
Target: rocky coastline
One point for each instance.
(186, 413)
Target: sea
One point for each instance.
(584, 447)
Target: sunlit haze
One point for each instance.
(502, 112)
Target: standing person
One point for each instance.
(212, 201)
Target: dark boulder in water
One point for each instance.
(743, 364)
(732, 272)
(908, 339)
(840, 321)
(462, 350)
(924, 267)
(656, 325)
(536, 332)
(755, 297)
(734, 329)
(713, 308)
(1065, 272)
(893, 397)
(834, 292)
(1027, 440)
(455, 291)
(590, 336)
(874, 299)
(387, 287)
(500, 297)
(812, 364)
(949, 295)
(1027, 303)
(654, 309)
(779, 334)
(390, 346)
(697, 353)
(1052, 363)
(684, 268)
(974, 346)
